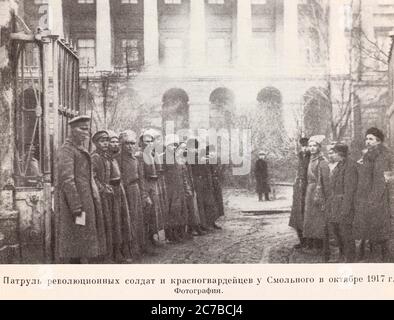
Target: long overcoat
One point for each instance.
(133, 181)
(178, 190)
(76, 189)
(121, 207)
(299, 192)
(204, 186)
(102, 174)
(342, 191)
(315, 220)
(217, 179)
(261, 175)
(372, 219)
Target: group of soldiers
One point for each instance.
(337, 197)
(132, 193)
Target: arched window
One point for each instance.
(222, 107)
(317, 112)
(175, 108)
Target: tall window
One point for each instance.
(383, 42)
(130, 52)
(87, 49)
(263, 52)
(85, 1)
(173, 52)
(172, 1)
(218, 51)
(312, 51)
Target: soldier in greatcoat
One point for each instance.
(299, 192)
(340, 207)
(132, 173)
(102, 167)
(216, 172)
(204, 185)
(153, 212)
(121, 208)
(372, 220)
(178, 190)
(79, 226)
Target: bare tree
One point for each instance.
(365, 55)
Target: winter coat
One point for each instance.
(178, 190)
(315, 220)
(76, 189)
(342, 191)
(299, 192)
(372, 217)
(133, 181)
(261, 175)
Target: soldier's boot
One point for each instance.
(118, 256)
(386, 252)
(361, 254)
(303, 241)
(326, 249)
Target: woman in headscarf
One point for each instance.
(372, 219)
(315, 225)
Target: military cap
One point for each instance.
(78, 120)
(100, 134)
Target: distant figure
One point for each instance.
(261, 175)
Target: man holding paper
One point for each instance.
(80, 234)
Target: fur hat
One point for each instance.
(376, 132)
(304, 141)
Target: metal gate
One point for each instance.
(46, 91)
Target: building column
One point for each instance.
(197, 33)
(244, 32)
(151, 34)
(103, 36)
(291, 47)
(55, 18)
(338, 46)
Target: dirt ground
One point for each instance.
(252, 232)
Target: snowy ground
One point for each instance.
(253, 232)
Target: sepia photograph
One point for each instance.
(196, 132)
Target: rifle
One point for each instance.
(86, 107)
